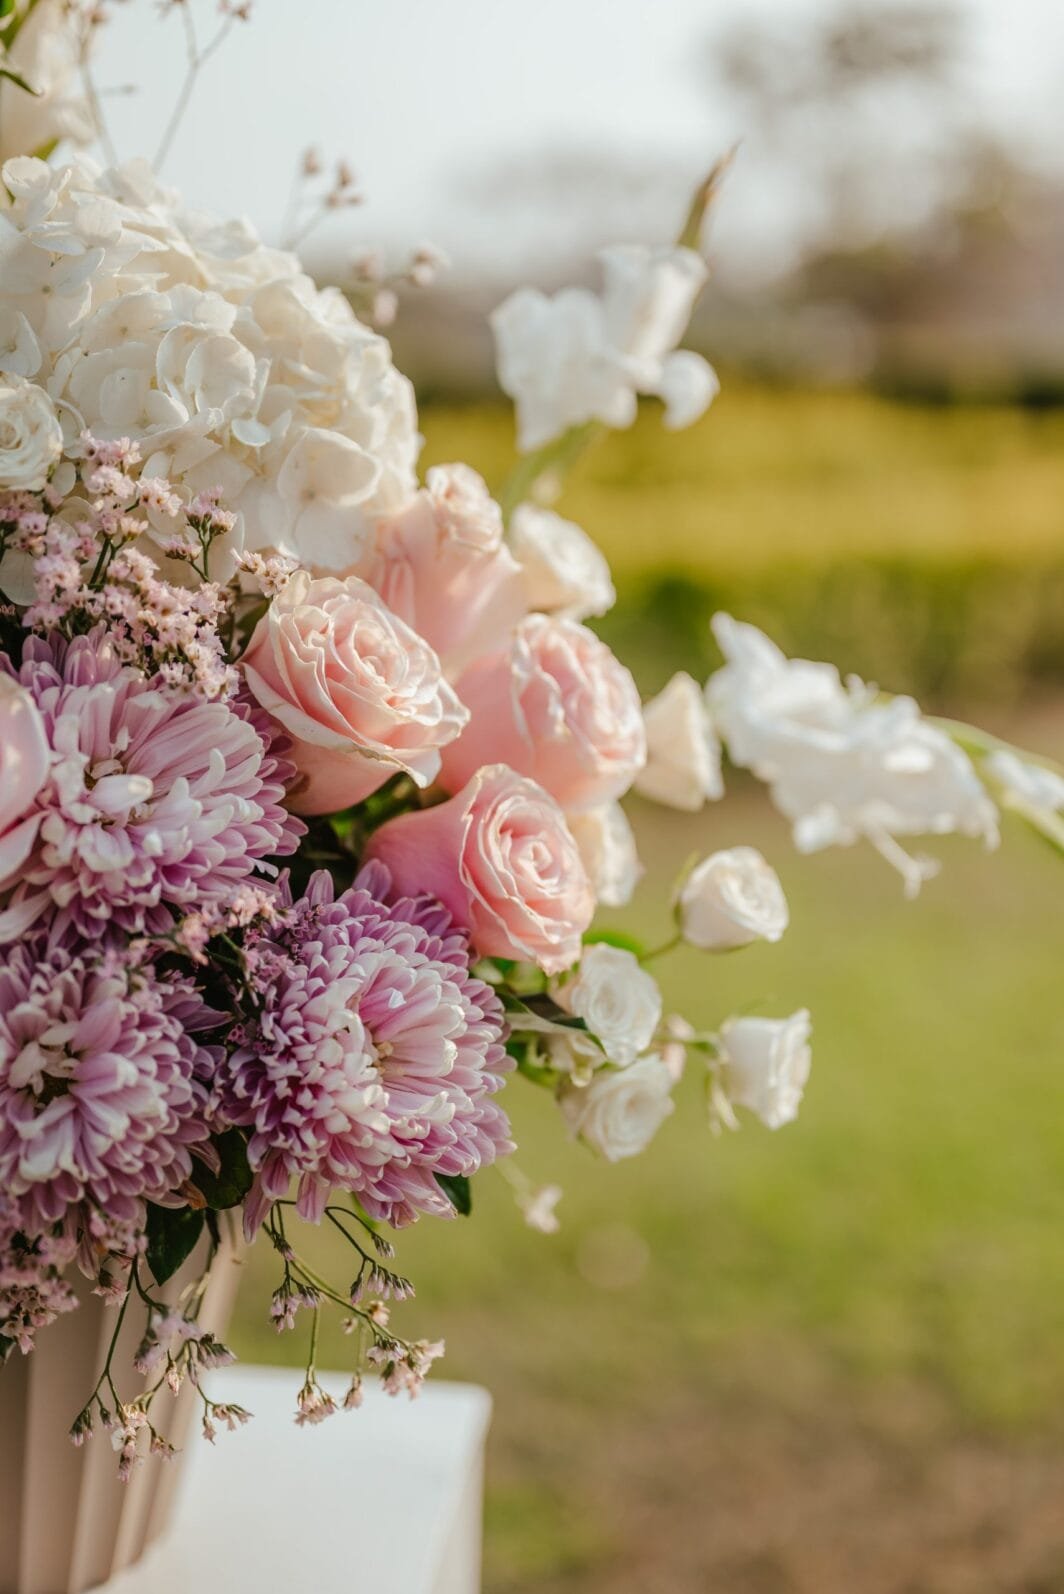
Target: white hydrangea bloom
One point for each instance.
(219, 356)
(840, 764)
(578, 356)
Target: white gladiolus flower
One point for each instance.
(1030, 784)
(731, 899)
(840, 764)
(765, 1065)
(31, 439)
(608, 850)
(683, 754)
(579, 356)
(617, 999)
(621, 1110)
(45, 54)
(687, 387)
(562, 570)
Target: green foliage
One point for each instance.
(172, 1234)
(455, 1187)
(228, 1187)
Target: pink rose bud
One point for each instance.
(442, 565)
(556, 706)
(24, 764)
(360, 694)
(500, 858)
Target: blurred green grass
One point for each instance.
(891, 1261)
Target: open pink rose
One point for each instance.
(500, 858)
(556, 706)
(24, 760)
(360, 693)
(442, 565)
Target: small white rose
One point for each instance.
(683, 754)
(31, 439)
(607, 847)
(765, 1065)
(622, 1109)
(563, 572)
(617, 1000)
(731, 899)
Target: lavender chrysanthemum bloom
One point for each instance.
(103, 1084)
(155, 803)
(373, 1060)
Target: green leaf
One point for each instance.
(228, 1187)
(617, 938)
(455, 1187)
(172, 1233)
(19, 82)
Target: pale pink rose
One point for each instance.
(24, 761)
(360, 694)
(441, 564)
(500, 858)
(556, 706)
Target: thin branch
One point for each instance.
(197, 60)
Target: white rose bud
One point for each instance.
(617, 999)
(683, 754)
(731, 899)
(563, 571)
(608, 851)
(622, 1109)
(31, 439)
(765, 1065)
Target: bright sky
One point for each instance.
(424, 95)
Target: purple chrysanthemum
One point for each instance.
(103, 1085)
(373, 1060)
(155, 802)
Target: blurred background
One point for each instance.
(830, 1359)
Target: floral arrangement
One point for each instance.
(311, 778)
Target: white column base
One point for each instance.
(384, 1500)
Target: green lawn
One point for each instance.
(832, 1358)
(898, 1247)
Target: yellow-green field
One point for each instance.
(771, 474)
(828, 1360)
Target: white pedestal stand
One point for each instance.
(384, 1500)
